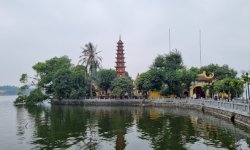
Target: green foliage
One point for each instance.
(36, 96)
(171, 61)
(188, 76)
(46, 71)
(62, 84)
(212, 88)
(150, 80)
(220, 72)
(20, 99)
(245, 77)
(122, 85)
(105, 78)
(21, 91)
(90, 58)
(24, 78)
(175, 78)
(58, 78)
(234, 87)
(143, 82)
(91, 61)
(70, 83)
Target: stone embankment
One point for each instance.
(236, 112)
(103, 102)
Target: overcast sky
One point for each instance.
(37, 30)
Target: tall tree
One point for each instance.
(170, 64)
(91, 61)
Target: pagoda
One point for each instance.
(120, 63)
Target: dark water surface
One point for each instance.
(78, 127)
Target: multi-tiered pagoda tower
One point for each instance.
(120, 63)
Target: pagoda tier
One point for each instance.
(120, 60)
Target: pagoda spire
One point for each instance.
(120, 59)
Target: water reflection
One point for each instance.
(77, 127)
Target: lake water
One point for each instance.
(78, 127)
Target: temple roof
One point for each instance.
(205, 77)
(120, 41)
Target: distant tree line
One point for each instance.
(8, 90)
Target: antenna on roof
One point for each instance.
(200, 47)
(169, 39)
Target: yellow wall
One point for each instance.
(154, 95)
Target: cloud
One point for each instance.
(32, 31)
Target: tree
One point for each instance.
(170, 65)
(173, 85)
(220, 72)
(91, 61)
(36, 96)
(62, 84)
(211, 88)
(80, 83)
(233, 87)
(46, 71)
(189, 75)
(121, 86)
(169, 62)
(152, 80)
(22, 97)
(56, 78)
(105, 78)
(70, 83)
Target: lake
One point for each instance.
(79, 127)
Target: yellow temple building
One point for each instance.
(196, 90)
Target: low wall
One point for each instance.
(99, 102)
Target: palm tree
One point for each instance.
(91, 61)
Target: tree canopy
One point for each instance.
(121, 86)
(55, 78)
(168, 75)
(220, 72)
(105, 78)
(47, 71)
(169, 62)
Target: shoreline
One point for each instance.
(231, 115)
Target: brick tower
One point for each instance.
(120, 63)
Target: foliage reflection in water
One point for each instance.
(78, 127)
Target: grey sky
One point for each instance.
(32, 31)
